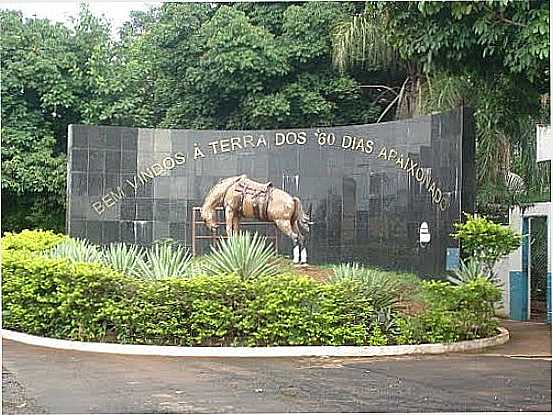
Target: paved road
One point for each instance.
(76, 382)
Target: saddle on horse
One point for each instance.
(256, 194)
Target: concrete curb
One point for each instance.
(279, 351)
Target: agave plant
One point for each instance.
(468, 270)
(164, 260)
(383, 288)
(347, 270)
(245, 255)
(76, 250)
(124, 258)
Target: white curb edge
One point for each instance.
(278, 351)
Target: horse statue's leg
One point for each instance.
(229, 219)
(288, 229)
(235, 223)
(300, 253)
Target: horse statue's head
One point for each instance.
(214, 199)
(209, 216)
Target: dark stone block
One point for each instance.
(177, 231)
(79, 185)
(129, 139)
(96, 161)
(79, 159)
(160, 230)
(182, 212)
(128, 184)
(78, 207)
(128, 232)
(79, 137)
(145, 140)
(162, 187)
(144, 232)
(110, 232)
(113, 162)
(94, 231)
(128, 162)
(111, 183)
(145, 209)
(145, 190)
(162, 210)
(95, 184)
(112, 138)
(128, 209)
(162, 141)
(95, 138)
(78, 228)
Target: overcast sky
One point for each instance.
(116, 11)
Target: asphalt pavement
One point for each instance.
(498, 379)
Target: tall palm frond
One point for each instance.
(361, 40)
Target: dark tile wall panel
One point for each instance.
(367, 201)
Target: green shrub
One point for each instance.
(298, 310)
(185, 312)
(245, 254)
(92, 302)
(468, 270)
(453, 313)
(486, 241)
(31, 240)
(58, 298)
(79, 301)
(346, 270)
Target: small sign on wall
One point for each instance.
(452, 259)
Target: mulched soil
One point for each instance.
(317, 273)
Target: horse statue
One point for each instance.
(244, 198)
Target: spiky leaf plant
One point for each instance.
(76, 250)
(124, 258)
(382, 287)
(165, 260)
(470, 270)
(246, 255)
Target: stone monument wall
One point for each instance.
(369, 186)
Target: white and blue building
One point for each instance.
(515, 271)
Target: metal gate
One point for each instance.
(530, 288)
(537, 268)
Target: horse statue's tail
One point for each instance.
(299, 216)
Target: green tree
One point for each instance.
(52, 76)
(245, 66)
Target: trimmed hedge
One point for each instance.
(56, 298)
(92, 302)
(453, 313)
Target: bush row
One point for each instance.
(452, 313)
(91, 302)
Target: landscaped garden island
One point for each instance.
(242, 294)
